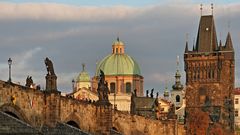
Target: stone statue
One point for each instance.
(51, 78)
(102, 89)
(152, 93)
(157, 95)
(49, 66)
(29, 81)
(147, 93)
(135, 92)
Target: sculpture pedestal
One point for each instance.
(51, 82)
(104, 118)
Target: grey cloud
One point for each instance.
(154, 36)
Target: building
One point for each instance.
(123, 75)
(178, 96)
(144, 106)
(210, 77)
(237, 108)
(82, 87)
(83, 80)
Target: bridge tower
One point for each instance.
(209, 71)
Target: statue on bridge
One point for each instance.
(49, 66)
(103, 89)
(29, 81)
(51, 78)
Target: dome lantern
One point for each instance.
(118, 47)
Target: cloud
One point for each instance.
(21, 66)
(71, 35)
(61, 12)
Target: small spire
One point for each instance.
(220, 45)
(201, 8)
(212, 8)
(118, 39)
(186, 47)
(193, 44)
(228, 44)
(177, 62)
(83, 67)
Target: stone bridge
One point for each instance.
(47, 108)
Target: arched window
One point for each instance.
(112, 87)
(116, 50)
(177, 98)
(128, 87)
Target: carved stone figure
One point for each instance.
(102, 89)
(51, 78)
(152, 93)
(29, 81)
(135, 92)
(49, 66)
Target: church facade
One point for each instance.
(209, 71)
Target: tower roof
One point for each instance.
(228, 44)
(206, 38)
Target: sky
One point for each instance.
(73, 32)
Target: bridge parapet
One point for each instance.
(132, 124)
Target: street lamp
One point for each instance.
(9, 64)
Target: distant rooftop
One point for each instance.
(237, 91)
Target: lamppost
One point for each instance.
(9, 64)
(73, 82)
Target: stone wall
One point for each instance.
(48, 108)
(28, 104)
(137, 125)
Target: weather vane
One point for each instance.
(201, 8)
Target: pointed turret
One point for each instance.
(177, 85)
(206, 38)
(186, 47)
(193, 48)
(228, 44)
(220, 47)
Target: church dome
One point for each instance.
(118, 63)
(83, 76)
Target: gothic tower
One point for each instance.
(209, 71)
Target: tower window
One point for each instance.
(236, 112)
(120, 50)
(128, 87)
(236, 100)
(177, 98)
(116, 50)
(112, 87)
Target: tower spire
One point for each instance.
(177, 62)
(228, 44)
(177, 85)
(83, 66)
(186, 47)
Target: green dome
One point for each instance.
(83, 77)
(118, 64)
